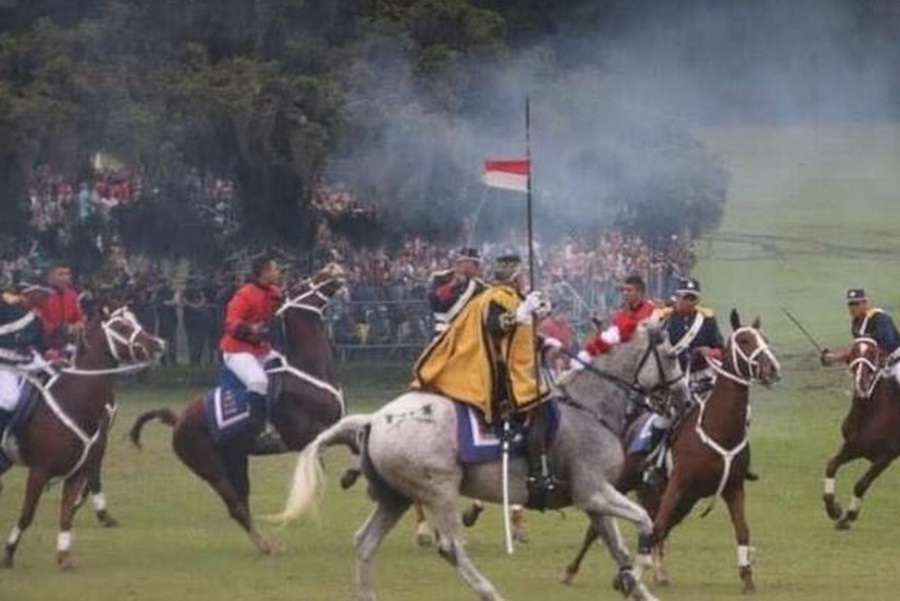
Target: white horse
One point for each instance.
(409, 453)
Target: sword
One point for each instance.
(506, 522)
(803, 330)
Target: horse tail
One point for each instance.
(308, 484)
(166, 416)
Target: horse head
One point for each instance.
(864, 361)
(748, 354)
(113, 329)
(658, 370)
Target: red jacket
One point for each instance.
(59, 309)
(252, 305)
(640, 313)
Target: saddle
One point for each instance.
(229, 412)
(29, 397)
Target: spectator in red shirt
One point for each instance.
(60, 312)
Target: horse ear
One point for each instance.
(735, 319)
(757, 323)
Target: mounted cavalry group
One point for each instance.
(657, 403)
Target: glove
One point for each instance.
(543, 309)
(584, 358)
(825, 358)
(527, 308)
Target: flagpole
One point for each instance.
(528, 202)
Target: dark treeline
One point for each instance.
(400, 100)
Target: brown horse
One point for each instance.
(710, 454)
(65, 437)
(871, 429)
(309, 403)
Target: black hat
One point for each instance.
(507, 267)
(856, 295)
(688, 287)
(466, 253)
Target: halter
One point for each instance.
(857, 365)
(299, 301)
(114, 338)
(746, 367)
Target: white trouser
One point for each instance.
(249, 370)
(9, 389)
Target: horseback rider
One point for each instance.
(871, 322)
(21, 347)
(635, 303)
(695, 337)
(245, 346)
(59, 309)
(487, 358)
(452, 289)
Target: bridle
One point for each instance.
(746, 368)
(115, 340)
(301, 301)
(862, 363)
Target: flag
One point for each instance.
(510, 174)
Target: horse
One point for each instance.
(65, 436)
(308, 403)
(410, 453)
(710, 450)
(870, 430)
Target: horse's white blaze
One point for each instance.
(855, 504)
(99, 501)
(64, 541)
(14, 536)
(743, 556)
(829, 486)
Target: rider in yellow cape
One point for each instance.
(487, 357)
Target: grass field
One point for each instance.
(812, 211)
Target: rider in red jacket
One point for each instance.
(245, 346)
(60, 311)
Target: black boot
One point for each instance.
(655, 473)
(541, 481)
(266, 440)
(5, 462)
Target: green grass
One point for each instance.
(811, 213)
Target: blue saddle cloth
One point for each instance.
(228, 408)
(642, 439)
(480, 442)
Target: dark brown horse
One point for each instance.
(710, 454)
(871, 429)
(309, 403)
(65, 436)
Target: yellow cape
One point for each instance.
(466, 363)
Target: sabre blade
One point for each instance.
(803, 330)
(506, 522)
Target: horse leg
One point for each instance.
(626, 581)
(196, 450)
(98, 499)
(37, 481)
(671, 509)
(367, 541)
(519, 523)
(649, 498)
(590, 536)
(449, 525)
(73, 489)
(734, 498)
(843, 456)
(471, 515)
(424, 533)
(609, 502)
(859, 491)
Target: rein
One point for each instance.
(299, 301)
(113, 340)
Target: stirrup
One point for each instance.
(268, 442)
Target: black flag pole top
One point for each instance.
(529, 211)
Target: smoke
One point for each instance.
(614, 103)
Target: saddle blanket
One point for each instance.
(228, 411)
(479, 442)
(641, 443)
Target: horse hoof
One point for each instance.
(66, 562)
(424, 536)
(520, 536)
(470, 518)
(746, 574)
(833, 508)
(749, 588)
(271, 549)
(842, 524)
(625, 582)
(106, 520)
(349, 478)
(7, 563)
(569, 577)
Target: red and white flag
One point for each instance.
(509, 174)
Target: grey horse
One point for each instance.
(409, 453)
